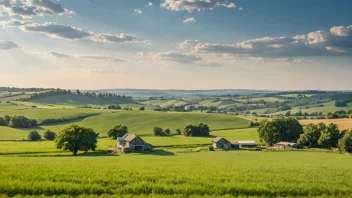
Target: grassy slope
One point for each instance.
(270, 174)
(143, 122)
(42, 114)
(328, 107)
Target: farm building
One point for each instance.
(285, 145)
(220, 142)
(240, 144)
(132, 143)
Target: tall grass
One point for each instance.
(233, 173)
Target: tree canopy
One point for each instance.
(311, 135)
(281, 129)
(200, 129)
(345, 143)
(77, 138)
(34, 136)
(117, 131)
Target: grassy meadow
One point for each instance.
(232, 173)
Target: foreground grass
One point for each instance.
(231, 173)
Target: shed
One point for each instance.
(243, 143)
(220, 142)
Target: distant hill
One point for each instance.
(178, 92)
(81, 100)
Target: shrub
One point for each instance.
(199, 130)
(3, 122)
(167, 131)
(48, 135)
(254, 124)
(159, 132)
(141, 108)
(34, 136)
(22, 122)
(178, 131)
(211, 148)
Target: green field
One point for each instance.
(164, 173)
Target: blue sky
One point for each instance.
(176, 44)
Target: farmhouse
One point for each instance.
(241, 144)
(285, 145)
(132, 143)
(220, 142)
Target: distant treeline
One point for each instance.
(14, 89)
(55, 92)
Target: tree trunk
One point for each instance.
(75, 152)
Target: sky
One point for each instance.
(176, 44)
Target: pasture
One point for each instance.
(164, 173)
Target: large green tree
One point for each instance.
(345, 143)
(117, 131)
(311, 135)
(76, 138)
(329, 136)
(281, 129)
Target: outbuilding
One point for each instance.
(132, 143)
(243, 143)
(220, 142)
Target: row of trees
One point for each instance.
(17, 121)
(288, 129)
(35, 136)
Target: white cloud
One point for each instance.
(188, 44)
(94, 57)
(179, 58)
(189, 20)
(67, 32)
(29, 8)
(240, 8)
(138, 11)
(336, 42)
(150, 4)
(59, 55)
(192, 5)
(7, 45)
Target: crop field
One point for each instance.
(232, 173)
(341, 123)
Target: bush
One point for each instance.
(178, 131)
(254, 124)
(141, 108)
(22, 122)
(48, 135)
(211, 148)
(199, 130)
(159, 132)
(3, 122)
(167, 131)
(34, 136)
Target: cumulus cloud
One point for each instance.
(68, 32)
(188, 44)
(150, 4)
(138, 11)
(192, 5)
(189, 20)
(179, 58)
(7, 45)
(336, 42)
(94, 57)
(29, 8)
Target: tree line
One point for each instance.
(17, 122)
(288, 129)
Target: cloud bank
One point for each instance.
(336, 42)
(192, 5)
(7, 45)
(68, 32)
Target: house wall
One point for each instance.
(221, 144)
